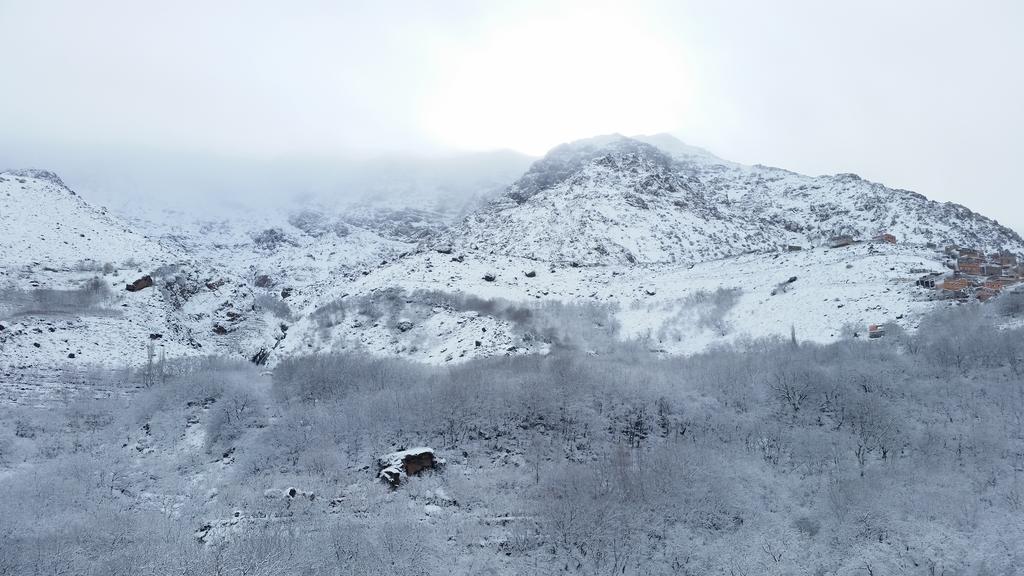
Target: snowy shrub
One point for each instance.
(87, 299)
(712, 307)
(271, 239)
(1012, 303)
(276, 306)
(329, 315)
(312, 222)
(316, 223)
(231, 415)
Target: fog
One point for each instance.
(125, 99)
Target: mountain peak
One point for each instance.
(565, 160)
(36, 173)
(676, 148)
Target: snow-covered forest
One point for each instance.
(901, 455)
(541, 288)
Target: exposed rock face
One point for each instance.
(260, 357)
(623, 202)
(402, 224)
(397, 466)
(140, 284)
(614, 200)
(38, 174)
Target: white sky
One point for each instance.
(925, 95)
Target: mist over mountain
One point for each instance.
(627, 345)
(631, 223)
(145, 179)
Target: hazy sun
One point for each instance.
(531, 84)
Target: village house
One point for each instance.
(991, 269)
(993, 284)
(970, 266)
(975, 274)
(1007, 260)
(956, 287)
(985, 294)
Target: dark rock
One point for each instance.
(260, 357)
(71, 355)
(286, 292)
(490, 277)
(155, 336)
(397, 466)
(263, 281)
(219, 330)
(202, 532)
(140, 284)
(530, 273)
(404, 325)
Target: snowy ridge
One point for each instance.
(622, 203)
(654, 199)
(680, 249)
(43, 221)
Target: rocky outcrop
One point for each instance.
(140, 284)
(397, 466)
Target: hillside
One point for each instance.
(654, 199)
(620, 202)
(43, 222)
(610, 239)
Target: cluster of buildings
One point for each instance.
(975, 274)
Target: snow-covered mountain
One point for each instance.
(614, 199)
(672, 246)
(43, 221)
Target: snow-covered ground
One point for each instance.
(678, 249)
(662, 305)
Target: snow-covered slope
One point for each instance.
(612, 200)
(227, 287)
(651, 199)
(44, 222)
(611, 238)
(809, 210)
(676, 309)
